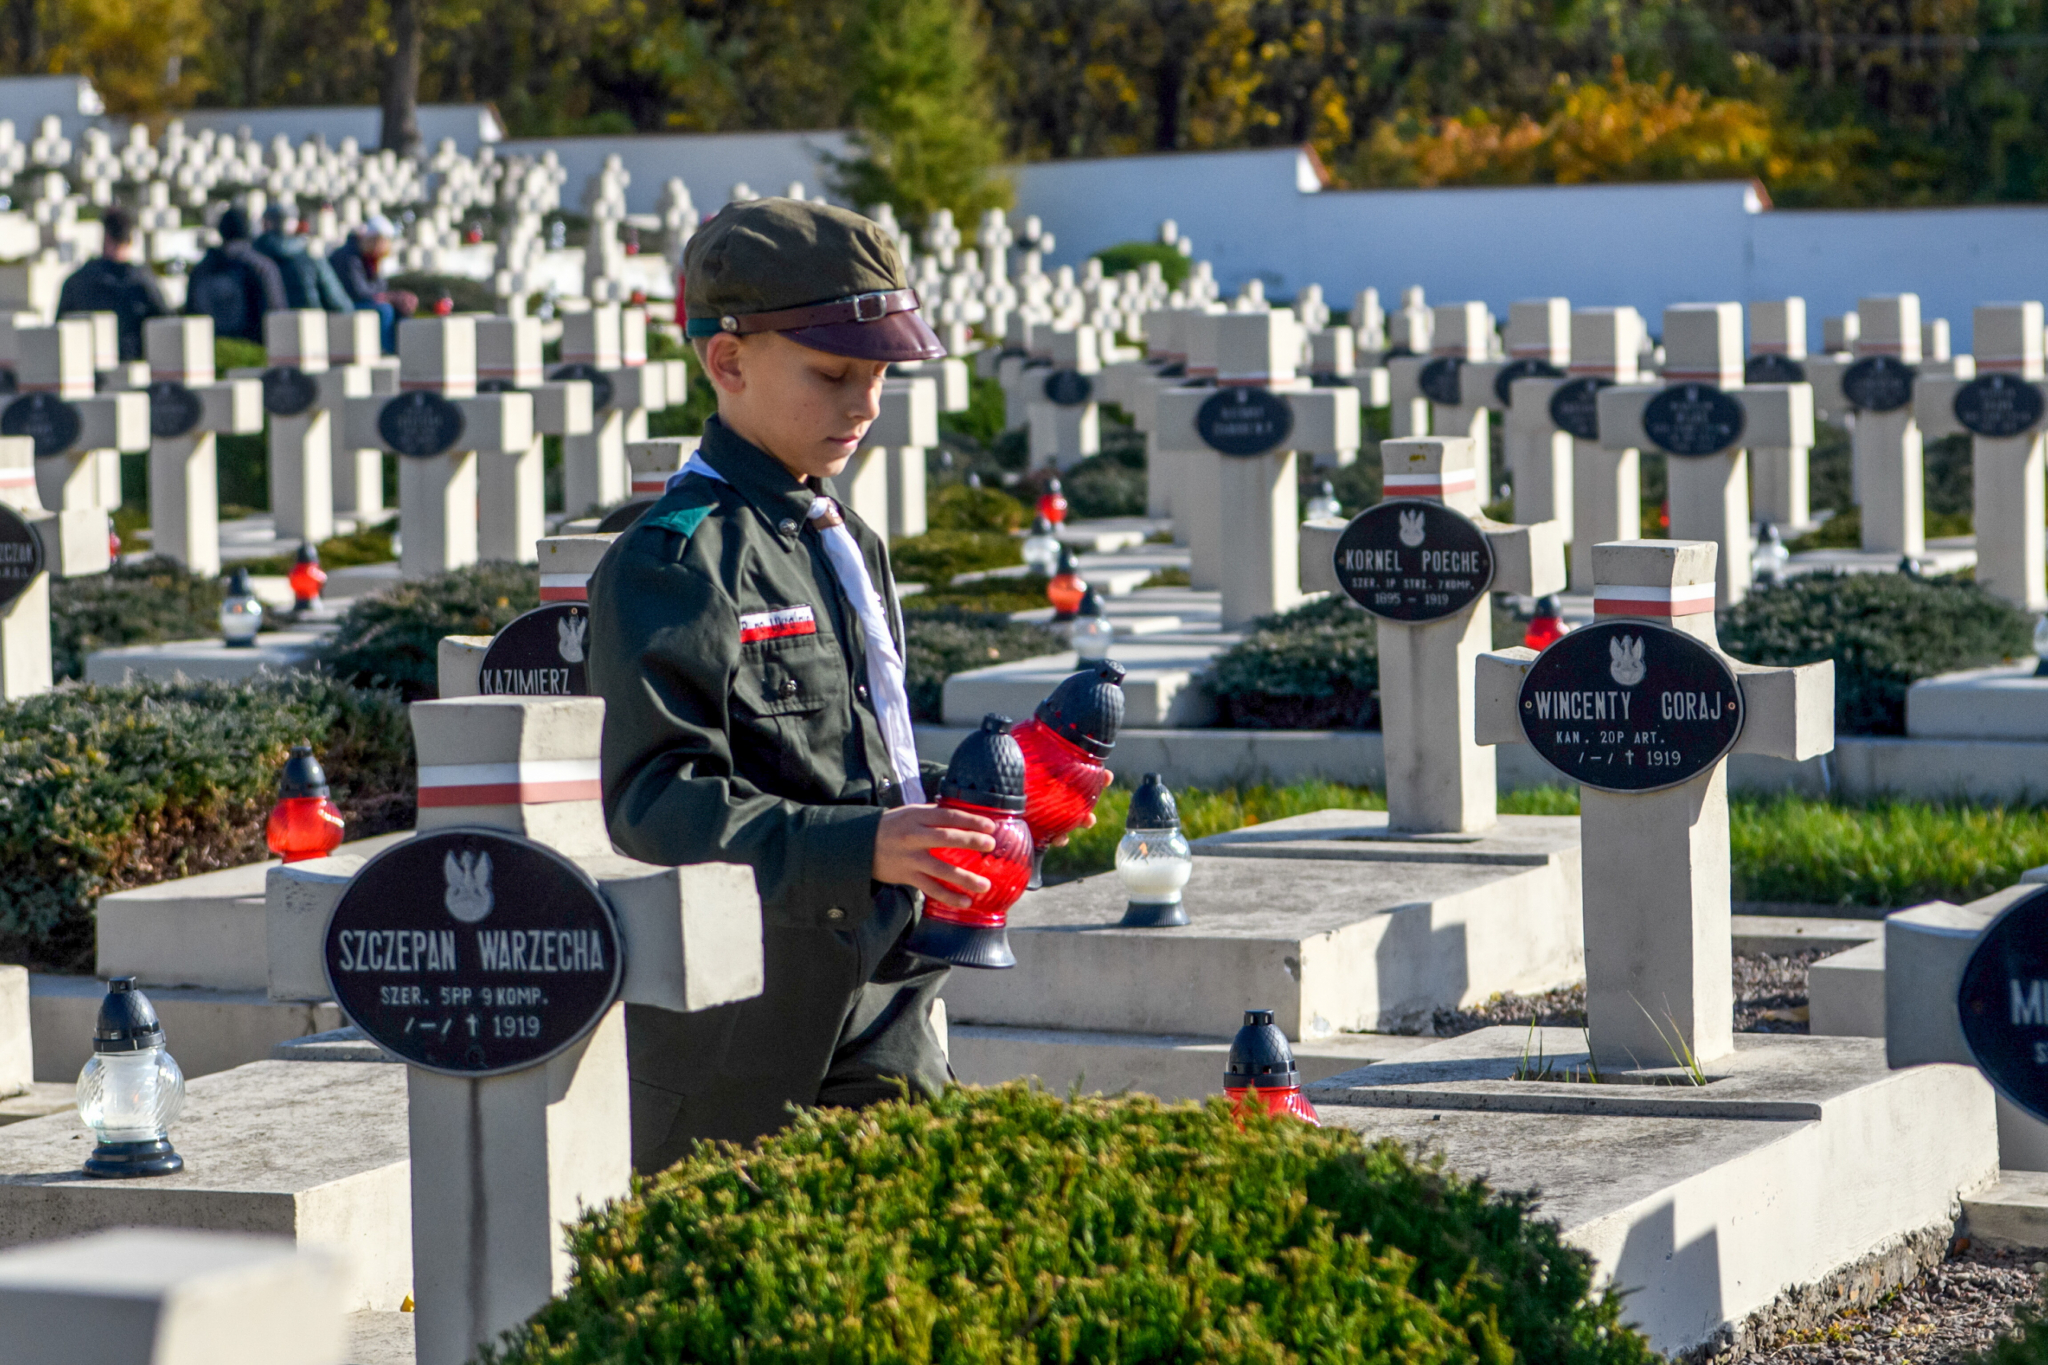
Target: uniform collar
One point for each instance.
(760, 478)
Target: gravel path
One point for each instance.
(1947, 1315)
(1770, 997)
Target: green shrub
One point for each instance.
(993, 597)
(956, 507)
(233, 353)
(113, 787)
(1133, 255)
(939, 644)
(982, 424)
(936, 556)
(1883, 631)
(1007, 1225)
(134, 604)
(393, 639)
(1107, 485)
(1314, 668)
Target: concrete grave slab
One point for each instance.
(209, 1030)
(274, 652)
(316, 1154)
(1159, 686)
(1845, 992)
(1171, 1066)
(1802, 1158)
(2011, 1213)
(2006, 702)
(1329, 944)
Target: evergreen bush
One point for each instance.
(393, 639)
(1124, 256)
(938, 644)
(956, 507)
(1007, 1225)
(1883, 630)
(103, 788)
(936, 556)
(1314, 668)
(142, 603)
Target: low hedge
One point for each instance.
(142, 603)
(936, 556)
(103, 788)
(957, 507)
(1005, 1224)
(1884, 631)
(939, 644)
(393, 639)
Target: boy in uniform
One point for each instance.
(746, 640)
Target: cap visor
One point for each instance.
(899, 336)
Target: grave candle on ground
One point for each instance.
(1641, 709)
(1425, 561)
(187, 409)
(512, 1020)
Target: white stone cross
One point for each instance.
(1538, 453)
(1440, 780)
(511, 488)
(1887, 467)
(612, 342)
(1709, 493)
(884, 481)
(1249, 502)
(1778, 474)
(437, 492)
(54, 367)
(2006, 471)
(501, 1163)
(360, 369)
(1658, 930)
(184, 486)
(25, 622)
(1464, 332)
(1062, 434)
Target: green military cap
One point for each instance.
(826, 278)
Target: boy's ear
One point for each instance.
(720, 355)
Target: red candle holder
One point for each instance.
(1547, 627)
(985, 778)
(1067, 588)
(304, 823)
(1261, 1071)
(1063, 745)
(307, 578)
(1052, 504)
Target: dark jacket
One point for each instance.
(766, 752)
(235, 284)
(358, 280)
(127, 291)
(309, 281)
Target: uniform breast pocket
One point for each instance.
(789, 710)
(790, 677)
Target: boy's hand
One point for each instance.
(903, 856)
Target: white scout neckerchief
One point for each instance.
(885, 664)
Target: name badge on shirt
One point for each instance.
(774, 625)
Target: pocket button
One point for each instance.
(789, 686)
(835, 913)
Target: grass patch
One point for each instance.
(369, 545)
(1853, 855)
(1168, 578)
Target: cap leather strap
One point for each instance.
(859, 308)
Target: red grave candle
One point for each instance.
(1261, 1071)
(985, 778)
(304, 823)
(307, 578)
(1052, 504)
(1064, 744)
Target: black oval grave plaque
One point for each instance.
(8, 383)
(2003, 1003)
(1998, 405)
(1409, 559)
(1439, 381)
(1878, 383)
(173, 409)
(1627, 706)
(21, 555)
(1244, 421)
(1575, 407)
(420, 424)
(1773, 369)
(472, 952)
(1693, 419)
(288, 390)
(1068, 388)
(1525, 368)
(45, 418)
(624, 515)
(539, 654)
(600, 382)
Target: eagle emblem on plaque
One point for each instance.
(1412, 532)
(569, 636)
(468, 896)
(1625, 659)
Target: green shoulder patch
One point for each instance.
(682, 520)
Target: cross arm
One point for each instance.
(1934, 404)
(1791, 711)
(641, 386)
(563, 407)
(909, 415)
(692, 934)
(231, 405)
(114, 421)
(1528, 560)
(1498, 678)
(1776, 415)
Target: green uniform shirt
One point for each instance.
(738, 728)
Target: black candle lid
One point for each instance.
(239, 584)
(303, 775)
(1549, 606)
(987, 768)
(1091, 604)
(1040, 526)
(127, 1021)
(1088, 707)
(1260, 1057)
(1066, 564)
(1152, 806)
(309, 553)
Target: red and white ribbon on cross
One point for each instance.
(565, 587)
(528, 782)
(1430, 485)
(1610, 599)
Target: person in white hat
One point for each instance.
(359, 262)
